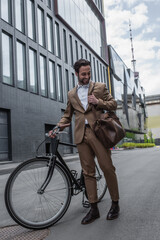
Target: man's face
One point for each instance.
(84, 75)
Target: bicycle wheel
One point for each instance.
(101, 183)
(29, 208)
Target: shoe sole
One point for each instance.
(90, 221)
(112, 218)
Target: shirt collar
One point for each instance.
(82, 86)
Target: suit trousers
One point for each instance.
(88, 149)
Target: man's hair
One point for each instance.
(81, 62)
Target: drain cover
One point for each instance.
(19, 233)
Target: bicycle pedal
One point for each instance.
(86, 204)
(74, 173)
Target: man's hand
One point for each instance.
(51, 134)
(92, 99)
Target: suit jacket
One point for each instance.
(106, 102)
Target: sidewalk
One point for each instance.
(7, 167)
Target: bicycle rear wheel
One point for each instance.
(30, 208)
(101, 183)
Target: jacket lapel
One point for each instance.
(77, 100)
(91, 86)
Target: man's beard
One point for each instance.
(84, 81)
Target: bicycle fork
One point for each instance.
(51, 165)
(48, 177)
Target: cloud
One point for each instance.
(146, 46)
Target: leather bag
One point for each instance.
(108, 129)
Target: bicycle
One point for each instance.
(38, 192)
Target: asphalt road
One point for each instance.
(138, 176)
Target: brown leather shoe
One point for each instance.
(91, 216)
(113, 212)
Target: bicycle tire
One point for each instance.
(27, 207)
(101, 183)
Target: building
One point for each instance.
(153, 120)
(127, 90)
(39, 42)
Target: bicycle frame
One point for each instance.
(55, 154)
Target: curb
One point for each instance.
(8, 167)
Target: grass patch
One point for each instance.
(131, 145)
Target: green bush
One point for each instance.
(131, 145)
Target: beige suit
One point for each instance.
(87, 143)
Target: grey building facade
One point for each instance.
(39, 42)
(129, 94)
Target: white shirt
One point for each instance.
(82, 91)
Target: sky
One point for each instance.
(145, 23)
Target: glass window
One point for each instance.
(52, 79)
(71, 49)
(101, 72)
(67, 80)
(59, 81)
(50, 33)
(41, 32)
(76, 46)
(118, 89)
(94, 66)
(81, 48)
(31, 19)
(67, 84)
(6, 10)
(7, 67)
(43, 76)
(19, 15)
(86, 54)
(21, 65)
(57, 37)
(33, 71)
(78, 14)
(49, 3)
(73, 80)
(65, 46)
(4, 135)
(98, 71)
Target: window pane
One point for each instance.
(73, 80)
(76, 45)
(43, 76)
(33, 71)
(52, 79)
(98, 80)
(50, 34)
(49, 3)
(7, 59)
(19, 14)
(65, 46)
(94, 66)
(21, 66)
(31, 19)
(41, 32)
(71, 49)
(59, 81)
(6, 10)
(57, 37)
(67, 80)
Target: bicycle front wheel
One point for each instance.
(26, 205)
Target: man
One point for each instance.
(81, 100)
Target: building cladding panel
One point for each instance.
(153, 112)
(38, 49)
